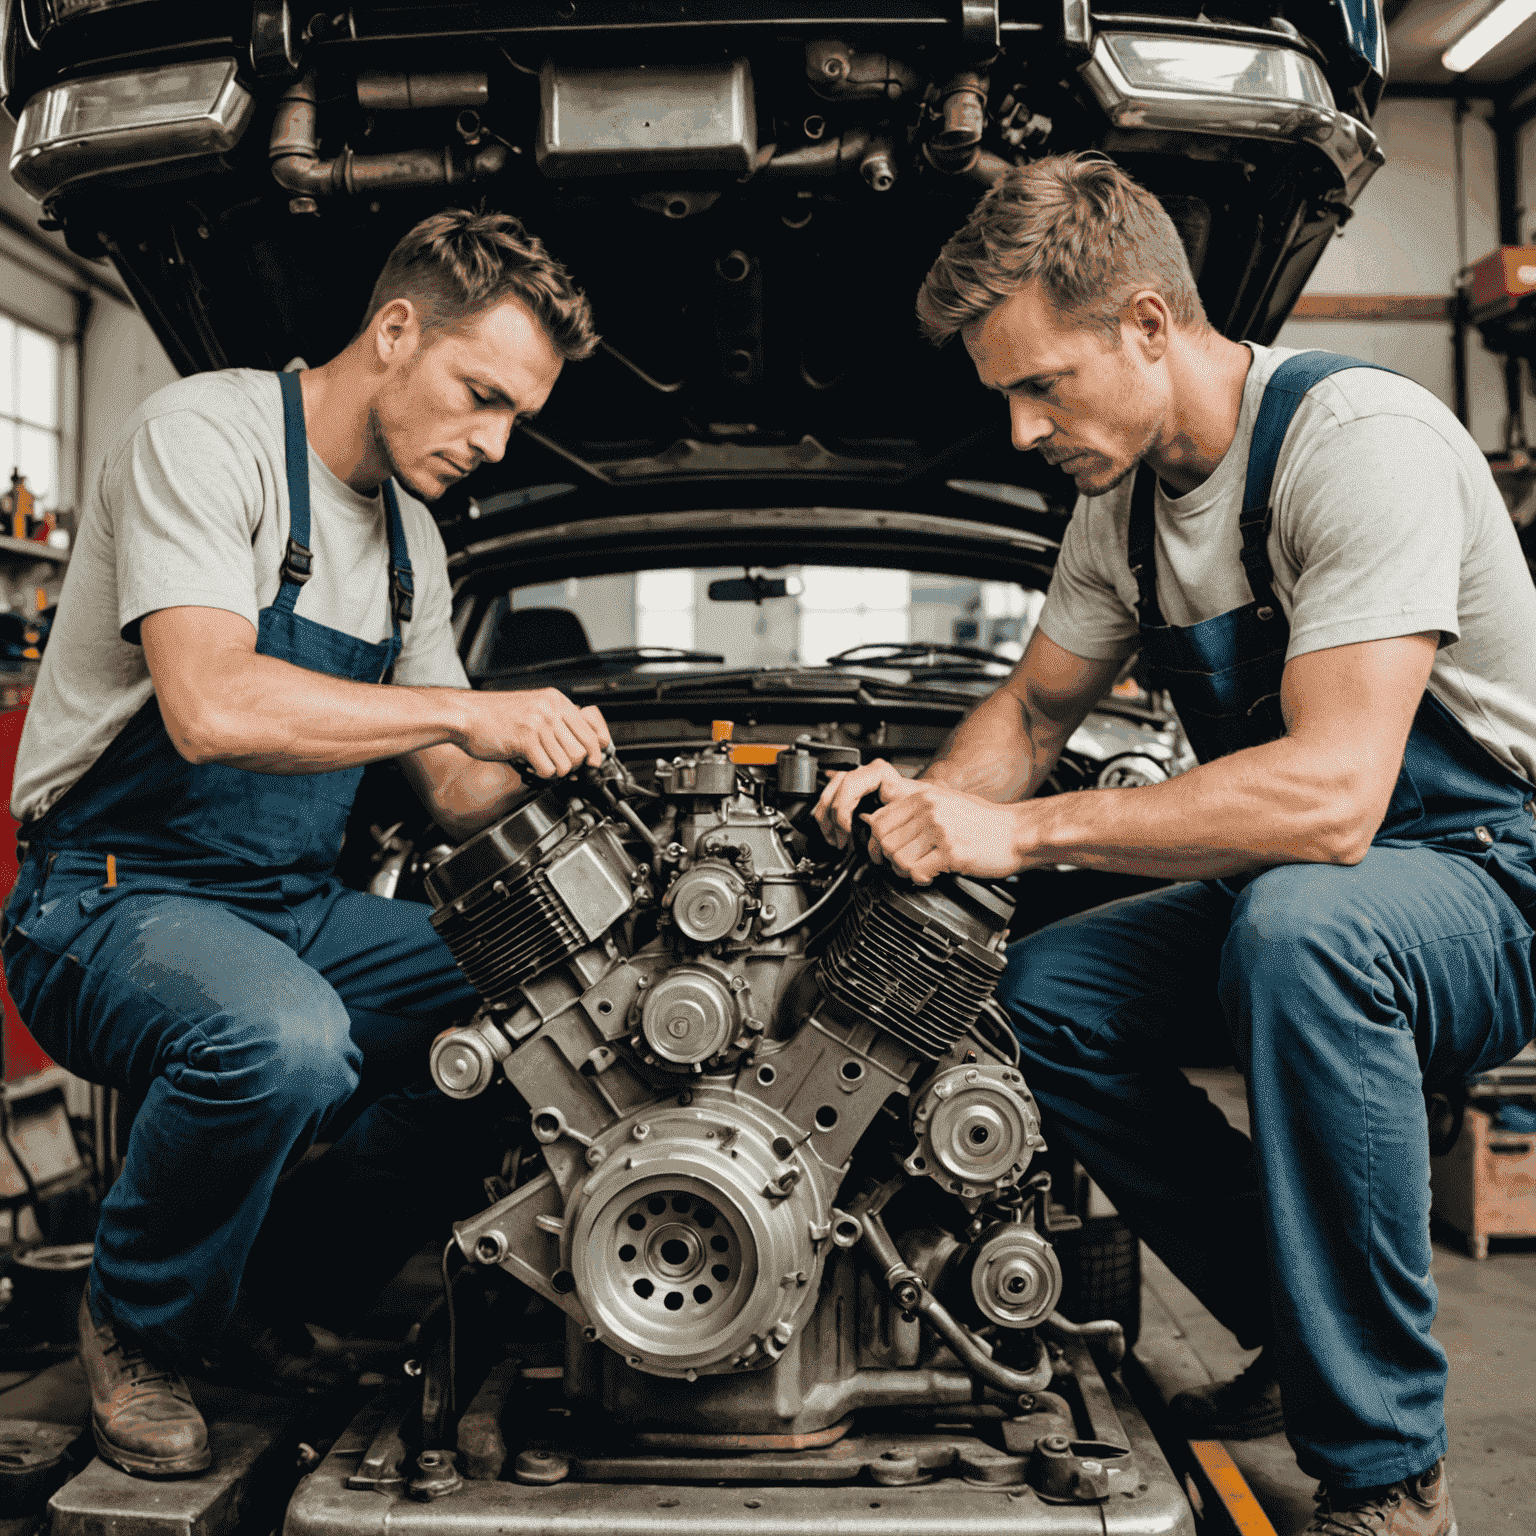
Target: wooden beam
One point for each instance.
(1373, 306)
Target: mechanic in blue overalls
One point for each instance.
(255, 609)
(1311, 556)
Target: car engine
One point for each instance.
(738, 1047)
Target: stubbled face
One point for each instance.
(1089, 407)
(449, 401)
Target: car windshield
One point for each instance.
(717, 618)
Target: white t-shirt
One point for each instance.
(191, 509)
(1387, 522)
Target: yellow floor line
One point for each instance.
(1231, 1487)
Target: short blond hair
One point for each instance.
(1079, 226)
(456, 264)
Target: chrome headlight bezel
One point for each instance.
(1171, 83)
(79, 129)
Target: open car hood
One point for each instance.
(750, 196)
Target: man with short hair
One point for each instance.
(258, 605)
(1311, 556)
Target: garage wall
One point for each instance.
(119, 361)
(121, 365)
(1402, 240)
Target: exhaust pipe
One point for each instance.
(298, 168)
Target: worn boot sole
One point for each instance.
(155, 1466)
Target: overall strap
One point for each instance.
(298, 563)
(1140, 547)
(401, 587)
(1283, 394)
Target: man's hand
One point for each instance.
(540, 727)
(839, 801)
(927, 829)
(924, 828)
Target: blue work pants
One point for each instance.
(250, 1026)
(1340, 991)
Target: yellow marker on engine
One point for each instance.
(111, 870)
(721, 730)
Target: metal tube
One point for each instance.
(974, 1358)
(1106, 1330)
(389, 90)
(296, 164)
(910, 1291)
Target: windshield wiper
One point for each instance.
(909, 653)
(635, 654)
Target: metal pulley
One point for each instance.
(976, 1129)
(1015, 1277)
(707, 902)
(464, 1059)
(690, 1015)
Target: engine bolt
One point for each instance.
(973, 1077)
(595, 1155)
(639, 1132)
(412, 1367)
(677, 1028)
(943, 1090)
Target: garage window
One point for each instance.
(33, 375)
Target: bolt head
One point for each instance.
(640, 1132)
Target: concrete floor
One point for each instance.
(1487, 1324)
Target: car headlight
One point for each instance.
(1184, 65)
(119, 122)
(1241, 89)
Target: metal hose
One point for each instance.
(1104, 1330)
(910, 1292)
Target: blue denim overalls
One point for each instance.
(1341, 991)
(231, 983)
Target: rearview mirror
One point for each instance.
(753, 589)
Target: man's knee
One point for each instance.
(1289, 908)
(295, 1051)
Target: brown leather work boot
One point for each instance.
(1245, 1408)
(141, 1413)
(1417, 1506)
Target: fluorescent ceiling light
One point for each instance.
(1487, 34)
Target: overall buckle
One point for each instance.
(401, 593)
(298, 563)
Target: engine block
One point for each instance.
(711, 1018)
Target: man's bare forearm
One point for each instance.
(1004, 750)
(475, 796)
(1279, 803)
(269, 716)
